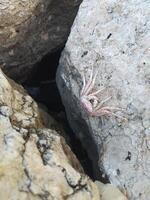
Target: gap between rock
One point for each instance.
(41, 85)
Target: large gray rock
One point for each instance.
(31, 29)
(113, 38)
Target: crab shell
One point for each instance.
(86, 104)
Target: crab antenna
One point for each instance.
(91, 85)
(83, 87)
(88, 83)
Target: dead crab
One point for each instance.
(90, 101)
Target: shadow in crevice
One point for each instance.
(87, 142)
(45, 70)
(41, 85)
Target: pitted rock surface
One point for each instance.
(113, 38)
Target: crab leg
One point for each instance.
(96, 92)
(88, 85)
(113, 108)
(107, 111)
(91, 85)
(118, 116)
(101, 103)
(91, 102)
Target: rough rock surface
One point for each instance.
(35, 162)
(113, 38)
(107, 192)
(31, 29)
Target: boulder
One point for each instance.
(31, 29)
(107, 192)
(35, 161)
(111, 39)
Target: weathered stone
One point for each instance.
(35, 162)
(107, 192)
(113, 38)
(31, 29)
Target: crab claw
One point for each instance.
(86, 104)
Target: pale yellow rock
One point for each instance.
(58, 176)
(35, 162)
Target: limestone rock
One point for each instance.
(35, 162)
(107, 192)
(31, 29)
(113, 38)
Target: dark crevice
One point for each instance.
(45, 70)
(41, 84)
(42, 87)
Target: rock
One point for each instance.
(107, 192)
(112, 37)
(31, 29)
(35, 161)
